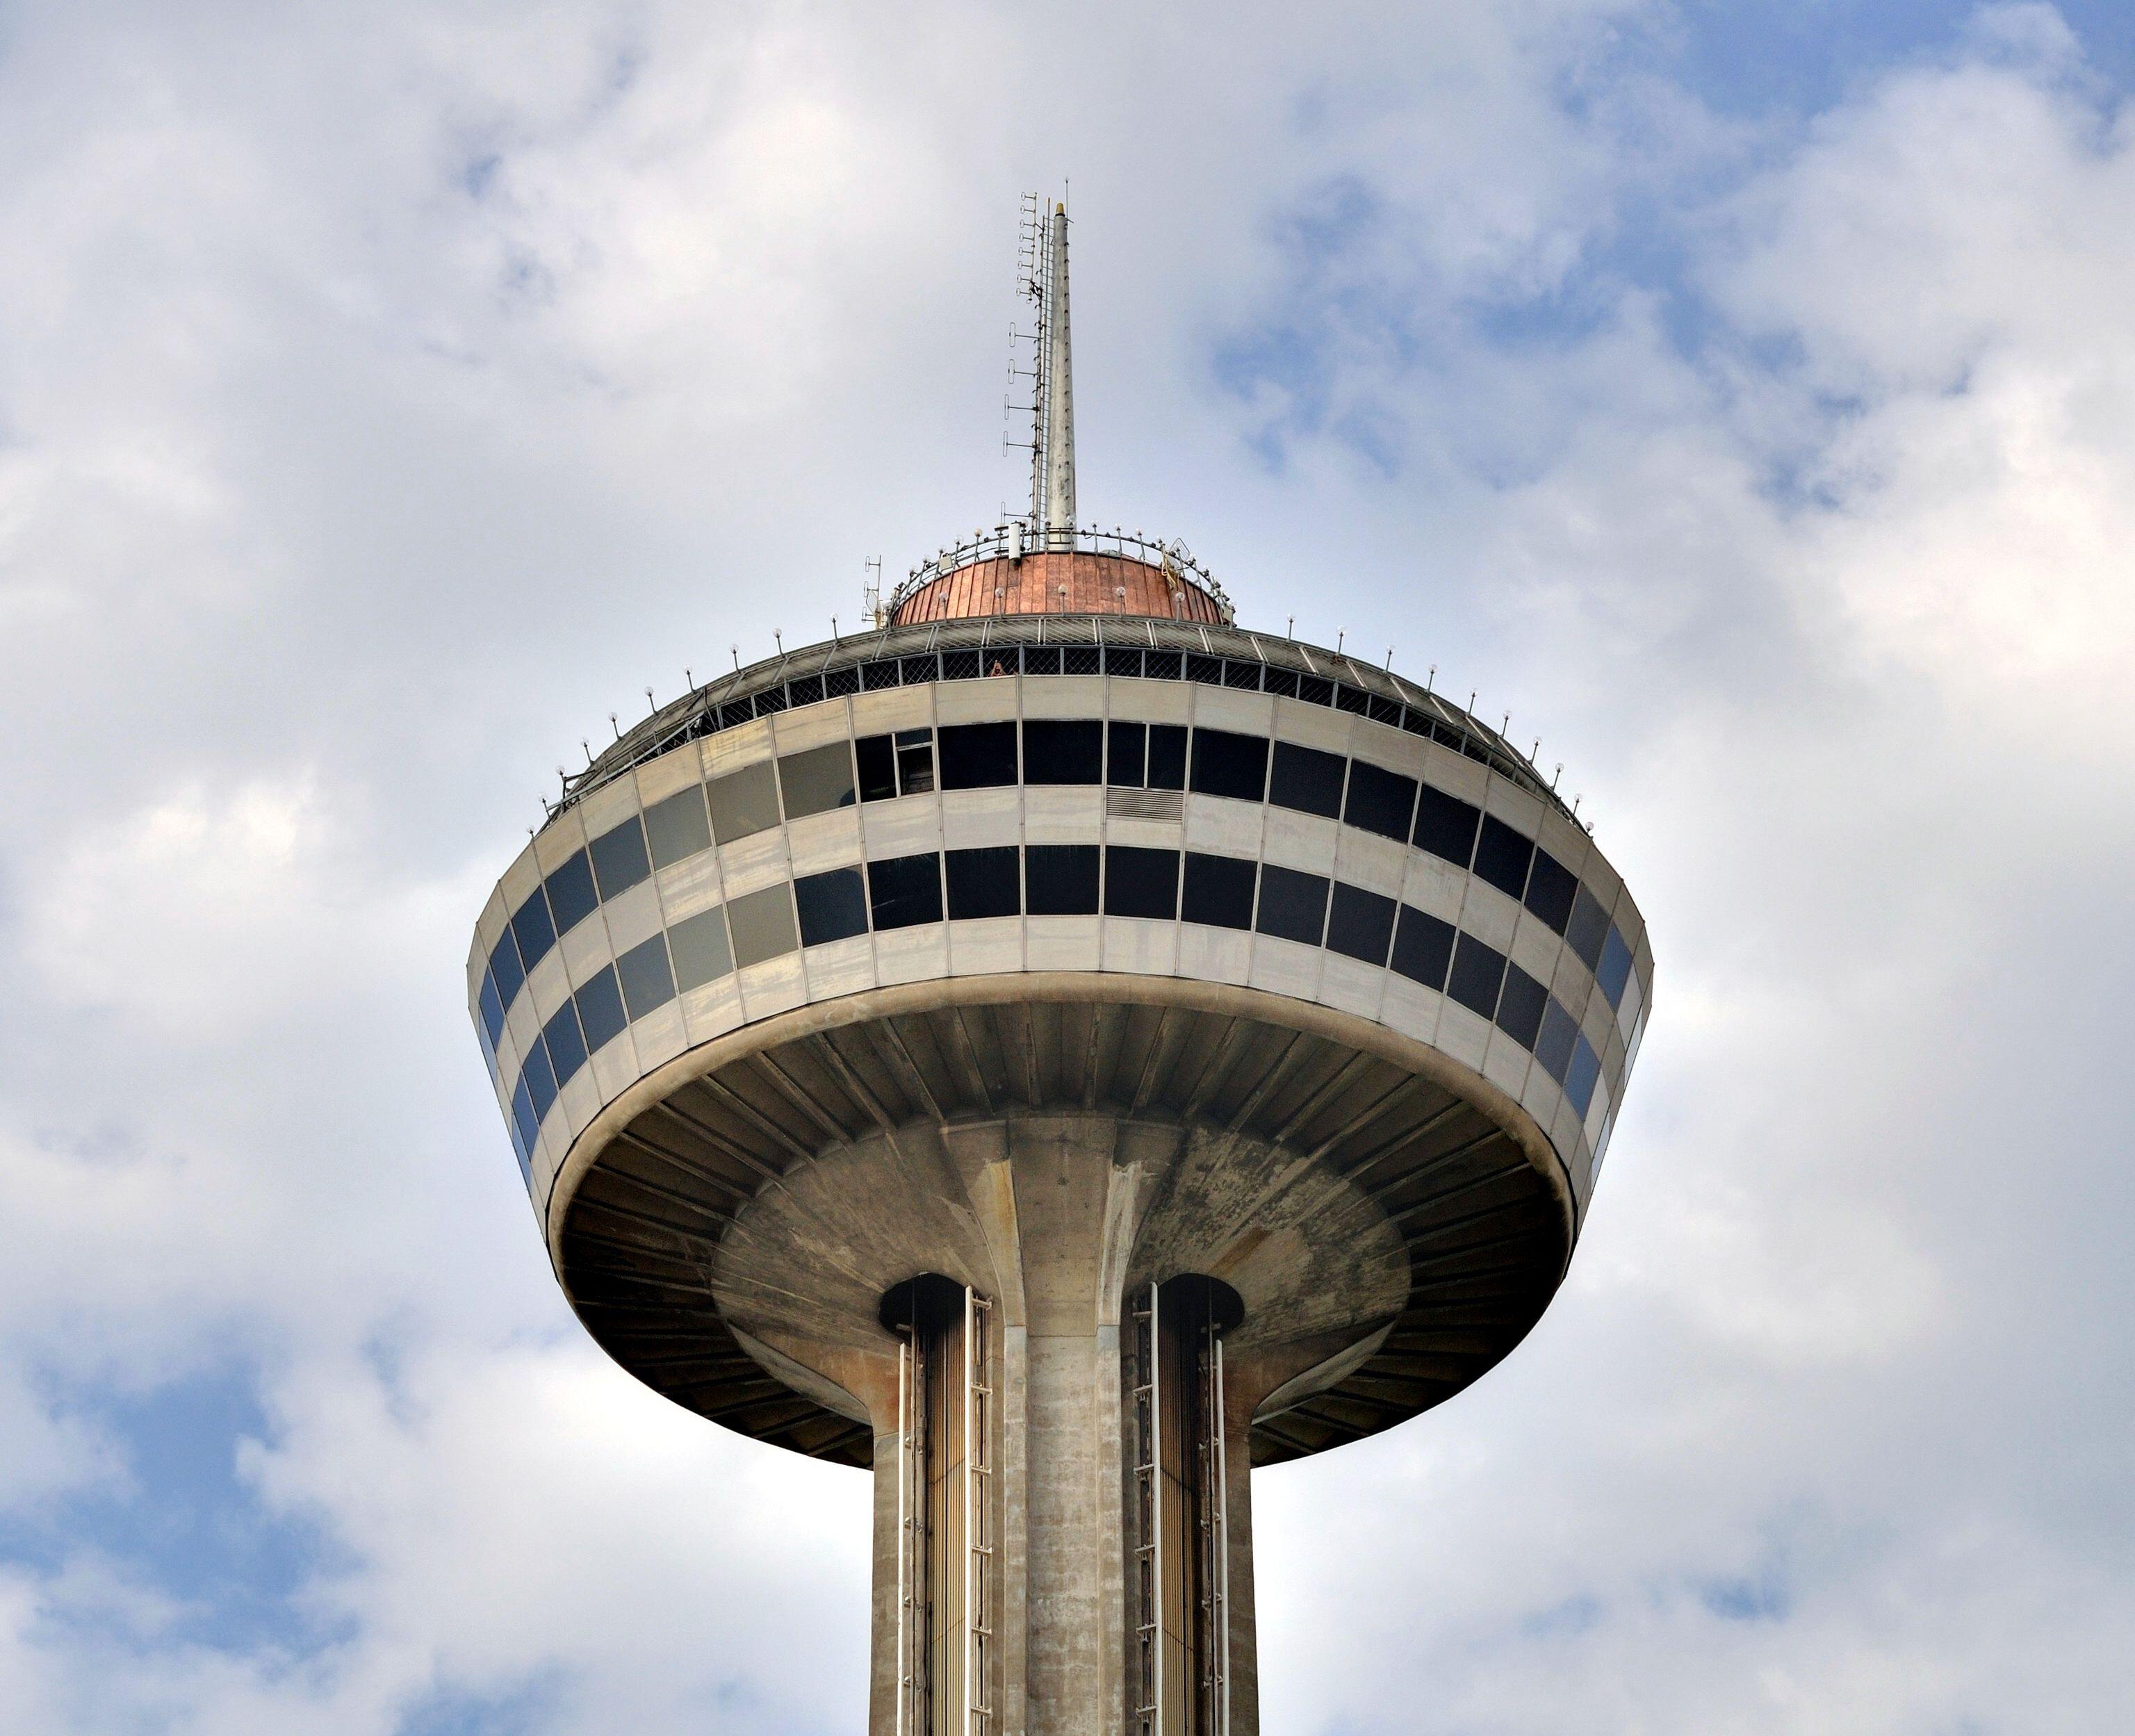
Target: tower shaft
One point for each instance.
(1053, 475)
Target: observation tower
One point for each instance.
(1060, 1049)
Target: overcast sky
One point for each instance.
(1740, 397)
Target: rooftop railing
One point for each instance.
(1015, 540)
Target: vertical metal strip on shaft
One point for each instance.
(1219, 1499)
(978, 1467)
(903, 1543)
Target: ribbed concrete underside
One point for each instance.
(1484, 1226)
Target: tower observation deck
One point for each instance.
(1060, 1049)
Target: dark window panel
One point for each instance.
(1351, 698)
(698, 945)
(917, 671)
(1167, 755)
(504, 966)
(1478, 971)
(961, 666)
(1550, 888)
(1293, 905)
(1385, 711)
(1060, 879)
(976, 756)
(905, 891)
(743, 802)
(1041, 660)
(567, 1048)
(817, 781)
(1379, 800)
(572, 897)
(1307, 780)
(1423, 947)
(1579, 1079)
(1237, 672)
(1502, 855)
(833, 906)
(1082, 659)
(915, 762)
(1521, 1006)
(1126, 748)
(539, 1079)
(770, 700)
(1207, 670)
(1140, 882)
(1315, 690)
(1226, 764)
(1615, 968)
(533, 930)
(648, 983)
(877, 761)
(1445, 825)
(882, 674)
(619, 858)
(736, 712)
(1361, 924)
(527, 1127)
(493, 1008)
(1218, 891)
(839, 684)
(1164, 665)
(1002, 660)
(1588, 931)
(1560, 1031)
(677, 827)
(600, 1008)
(762, 924)
(807, 690)
(1055, 752)
(1121, 662)
(1283, 681)
(985, 883)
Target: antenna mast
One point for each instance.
(1043, 275)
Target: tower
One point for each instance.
(1060, 1049)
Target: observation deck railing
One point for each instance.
(1015, 539)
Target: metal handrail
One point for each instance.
(1015, 539)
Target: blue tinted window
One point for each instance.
(648, 983)
(1477, 972)
(905, 891)
(1501, 855)
(1520, 1009)
(1588, 931)
(619, 858)
(1167, 754)
(1307, 780)
(1361, 924)
(567, 1048)
(1055, 752)
(985, 883)
(526, 1130)
(977, 755)
(600, 1009)
(493, 1008)
(1559, 1030)
(504, 965)
(1060, 879)
(1423, 946)
(833, 907)
(571, 895)
(539, 1077)
(531, 928)
(1218, 891)
(1586, 1069)
(699, 946)
(1445, 825)
(1140, 882)
(1550, 888)
(1293, 905)
(1615, 969)
(1380, 800)
(1225, 764)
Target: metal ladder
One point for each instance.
(1149, 1510)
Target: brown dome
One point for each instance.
(1062, 583)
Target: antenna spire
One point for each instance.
(1052, 433)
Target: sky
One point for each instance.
(1741, 397)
